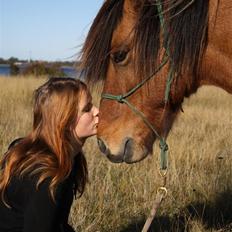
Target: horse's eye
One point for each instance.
(119, 56)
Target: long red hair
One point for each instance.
(48, 151)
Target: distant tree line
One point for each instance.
(42, 68)
(36, 68)
(11, 60)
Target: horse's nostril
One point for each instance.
(101, 145)
(128, 150)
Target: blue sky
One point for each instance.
(45, 29)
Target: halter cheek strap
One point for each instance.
(123, 99)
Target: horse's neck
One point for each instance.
(217, 62)
(217, 69)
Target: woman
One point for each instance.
(41, 172)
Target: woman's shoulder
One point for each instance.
(32, 182)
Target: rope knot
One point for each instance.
(120, 98)
(163, 146)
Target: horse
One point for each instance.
(151, 55)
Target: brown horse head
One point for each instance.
(127, 44)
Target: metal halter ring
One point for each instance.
(162, 191)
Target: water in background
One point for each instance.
(4, 69)
(69, 71)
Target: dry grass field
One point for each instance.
(118, 197)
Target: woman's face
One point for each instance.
(87, 121)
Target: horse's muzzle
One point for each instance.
(128, 151)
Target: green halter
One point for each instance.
(123, 98)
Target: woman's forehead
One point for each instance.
(85, 98)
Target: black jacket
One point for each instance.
(33, 210)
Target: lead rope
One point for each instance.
(162, 190)
(160, 195)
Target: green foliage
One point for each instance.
(36, 68)
(12, 60)
(42, 68)
(2, 61)
(14, 69)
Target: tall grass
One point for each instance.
(16, 107)
(119, 196)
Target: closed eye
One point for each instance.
(88, 107)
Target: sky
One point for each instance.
(51, 30)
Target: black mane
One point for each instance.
(186, 27)
(94, 57)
